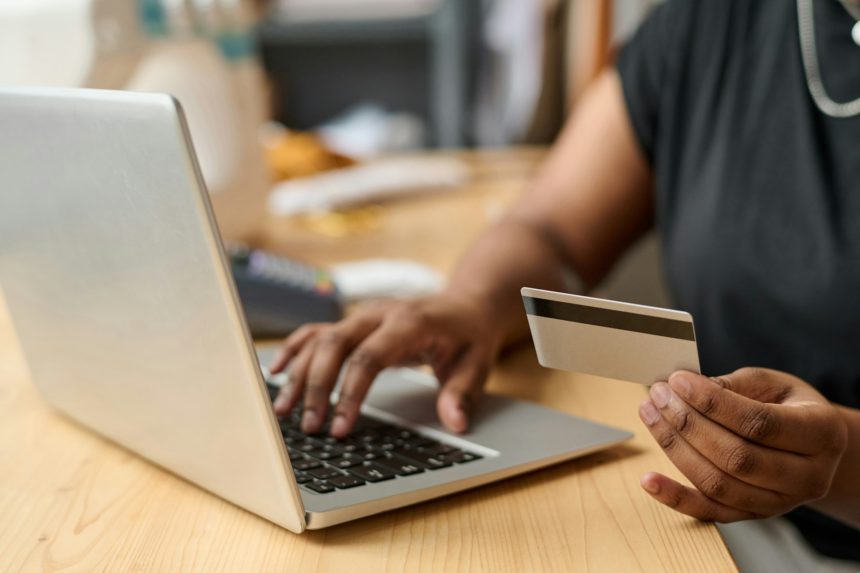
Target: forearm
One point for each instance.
(589, 201)
(843, 500)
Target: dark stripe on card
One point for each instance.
(610, 318)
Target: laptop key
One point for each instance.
(320, 486)
(372, 472)
(324, 473)
(321, 454)
(307, 446)
(402, 466)
(429, 462)
(436, 450)
(418, 442)
(436, 464)
(344, 482)
(346, 462)
(303, 465)
(367, 436)
(295, 435)
(335, 449)
(302, 477)
(462, 457)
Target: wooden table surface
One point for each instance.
(70, 500)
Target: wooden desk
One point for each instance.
(71, 500)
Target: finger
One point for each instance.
(708, 479)
(443, 358)
(690, 501)
(758, 384)
(461, 391)
(292, 391)
(770, 386)
(387, 346)
(774, 425)
(291, 346)
(286, 399)
(331, 349)
(756, 465)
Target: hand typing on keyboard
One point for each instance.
(454, 334)
(375, 451)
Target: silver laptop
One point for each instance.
(118, 287)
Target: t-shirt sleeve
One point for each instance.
(646, 66)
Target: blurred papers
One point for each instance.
(380, 179)
(385, 278)
(366, 130)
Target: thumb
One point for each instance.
(461, 391)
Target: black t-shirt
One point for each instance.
(757, 192)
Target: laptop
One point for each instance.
(127, 314)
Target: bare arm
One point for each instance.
(590, 200)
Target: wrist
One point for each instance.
(488, 312)
(842, 500)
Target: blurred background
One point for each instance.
(318, 110)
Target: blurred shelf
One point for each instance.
(419, 63)
(278, 29)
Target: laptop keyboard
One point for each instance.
(375, 451)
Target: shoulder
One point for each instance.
(680, 52)
(685, 35)
(703, 21)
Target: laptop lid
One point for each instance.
(121, 296)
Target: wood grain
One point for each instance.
(71, 501)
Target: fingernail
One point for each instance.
(660, 394)
(681, 385)
(310, 421)
(281, 402)
(458, 419)
(339, 426)
(649, 413)
(650, 484)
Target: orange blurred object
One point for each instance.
(291, 154)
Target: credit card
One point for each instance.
(624, 341)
